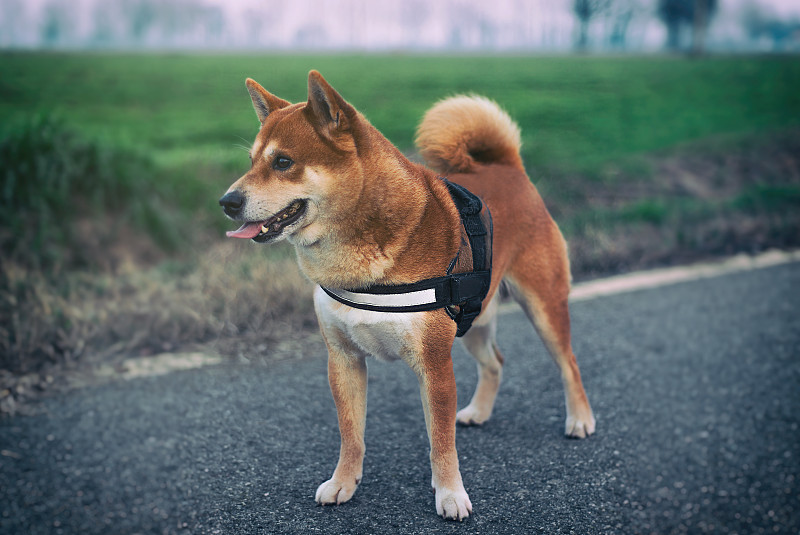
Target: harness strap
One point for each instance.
(460, 294)
(429, 294)
(470, 208)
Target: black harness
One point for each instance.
(460, 294)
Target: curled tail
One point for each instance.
(458, 132)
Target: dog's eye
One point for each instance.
(282, 163)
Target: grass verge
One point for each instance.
(721, 196)
(731, 196)
(230, 300)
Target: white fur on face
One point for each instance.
(256, 148)
(269, 151)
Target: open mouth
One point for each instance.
(263, 231)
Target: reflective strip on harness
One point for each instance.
(409, 299)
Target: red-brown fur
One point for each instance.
(376, 218)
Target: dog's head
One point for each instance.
(303, 160)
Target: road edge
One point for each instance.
(655, 278)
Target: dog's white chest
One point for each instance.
(383, 335)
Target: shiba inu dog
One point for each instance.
(362, 216)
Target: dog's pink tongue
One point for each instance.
(246, 231)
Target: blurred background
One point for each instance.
(410, 25)
(659, 132)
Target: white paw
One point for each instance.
(453, 504)
(580, 426)
(334, 491)
(471, 415)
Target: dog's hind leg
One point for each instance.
(541, 286)
(480, 342)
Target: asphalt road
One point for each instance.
(696, 389)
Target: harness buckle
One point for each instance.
(465, 286)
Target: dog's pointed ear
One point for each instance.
(264, 102)
(327, 107)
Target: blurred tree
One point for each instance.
(619, 15)
(56, 25)
(764, 28)
(703, 10)
(141, 15)
(620, 29)
(753, 19)
(585, 10)
(104, 32)
(679, 14)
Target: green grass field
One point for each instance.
(575, 112)
(111, 239)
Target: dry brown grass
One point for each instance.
(228, 293)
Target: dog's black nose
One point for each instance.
(232, 203)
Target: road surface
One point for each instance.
(696, 389)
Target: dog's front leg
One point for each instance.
(438, 390)
(347, 376)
